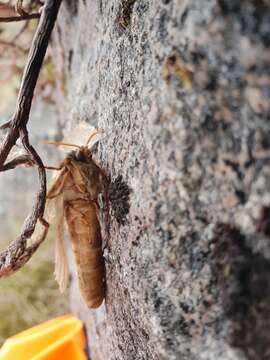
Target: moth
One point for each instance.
(74, 198)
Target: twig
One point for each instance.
(6, 125)
(24, 159)
(25, 25)
(18, 253)
(19, 18)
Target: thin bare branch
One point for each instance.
(19, 18)
(20, 160)
(6, 125)
(18, 253)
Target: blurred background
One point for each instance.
(31, 295)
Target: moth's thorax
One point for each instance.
(83, 154)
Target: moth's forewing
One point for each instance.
(58, 181)
(61, 270)
(54, 213)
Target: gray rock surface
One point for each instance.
(181, 88)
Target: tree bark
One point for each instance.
(181, 89)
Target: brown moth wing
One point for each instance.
(85, 234)
(93, 178)
(61, 270)
(97, 185)
(54, 211)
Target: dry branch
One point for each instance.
(18, 253)
(19, 18)
(24, 159)
(10, 13)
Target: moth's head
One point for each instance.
(83, 154)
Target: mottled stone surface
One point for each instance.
(181, 89)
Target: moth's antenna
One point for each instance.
(58, 143)
(93, 135)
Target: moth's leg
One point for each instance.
(54, 167)
(76, 212)
(42, 236)
(79, 189)
(45, 224)
(58, 186)
(84, 192)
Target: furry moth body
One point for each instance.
(75, 193)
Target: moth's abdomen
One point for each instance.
(90, 270)
(85, 234)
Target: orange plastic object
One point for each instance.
(58, 339)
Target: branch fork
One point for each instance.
(19, 252)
